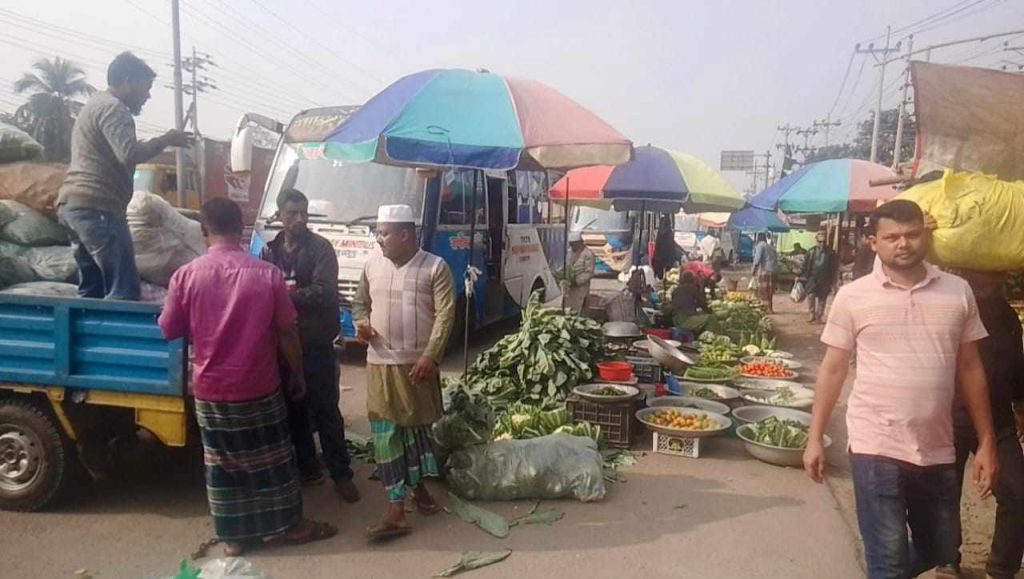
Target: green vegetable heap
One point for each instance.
(524, 421)
(781, 433)
(541, 363)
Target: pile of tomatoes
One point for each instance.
(766, 370)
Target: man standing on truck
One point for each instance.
(236, 312)
(99, 183)
(310, 269)
(404, 309)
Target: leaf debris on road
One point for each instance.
(474, 560)
(488, 521)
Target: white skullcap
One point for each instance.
(575, 236)
(395, 214)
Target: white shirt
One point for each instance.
(708, 246)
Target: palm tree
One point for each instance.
(49, 115)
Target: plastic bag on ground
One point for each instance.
(549, 467)
(978, 220)
(152, 293)
(52, 263)
(31, 227)
(164, 239)
(34, 184)
(44, 288)
(17, 145)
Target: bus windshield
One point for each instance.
(341, 192)
(599, 220)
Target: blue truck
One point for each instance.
(76, 374)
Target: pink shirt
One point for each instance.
(907, 341)
(231, 306)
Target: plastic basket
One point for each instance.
(675, 445)
(647, 369)
(617, 421)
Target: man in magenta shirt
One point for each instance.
(915, 331)
(235, 311)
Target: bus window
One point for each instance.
(457, 200)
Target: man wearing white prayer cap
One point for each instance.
(404, 310)
(579, 269)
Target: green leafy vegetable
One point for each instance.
(474, 560)
(783, 433)
(488, 521)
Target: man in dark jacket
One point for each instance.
(310, 268)
(1003, 358)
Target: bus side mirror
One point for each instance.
(241, 150)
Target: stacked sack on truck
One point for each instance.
(33, 247)
(164, 238)
(977, 220)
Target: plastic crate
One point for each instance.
(675, 445)
(617, 420)
(647, 369)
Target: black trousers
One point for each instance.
(1004, 559)
(318, 412)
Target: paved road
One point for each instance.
(722, 515)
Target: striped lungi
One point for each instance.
(404, 456)
(252, 482)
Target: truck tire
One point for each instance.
(33, 457)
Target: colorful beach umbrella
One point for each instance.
(659, 179)
(754, 220)
(479, 120)
(832, 186)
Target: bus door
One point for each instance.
(496, 221)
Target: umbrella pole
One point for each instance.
(565, 256)
(470, 294)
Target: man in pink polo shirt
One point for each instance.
(914, 330)
(236, 312)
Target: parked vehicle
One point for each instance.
(518, 234)
(74, 375)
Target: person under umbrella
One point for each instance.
(404, 310)
(579, 270)
(819, 276)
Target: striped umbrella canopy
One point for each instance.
(832, 186)
(478, 120)
(658, 179)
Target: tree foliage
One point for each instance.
(52, 87)
(860, 146)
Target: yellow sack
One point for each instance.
(979, 219)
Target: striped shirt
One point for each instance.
(907, 341)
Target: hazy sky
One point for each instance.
(693, 76)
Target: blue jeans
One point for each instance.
(893, 495)
(104, 253)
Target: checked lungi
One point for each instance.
(252, 482)
(404, 457)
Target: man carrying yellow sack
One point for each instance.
(404, 310)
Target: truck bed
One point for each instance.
(90, 344)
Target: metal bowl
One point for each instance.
(793, 375)
(672, 358)
(804, 398)
(725, 393)
(586, 391)
(645, 345)
(765, 384)
(791, 364)
(752, 414)
(773, 454)
(723, 423)
(689, 402)
(622, 330)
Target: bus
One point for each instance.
(518, 234)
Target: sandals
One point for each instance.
(318, 532)
(426, 507)
(386, 530)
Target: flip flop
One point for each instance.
(387, 531)
(319, 532)
(427, 509)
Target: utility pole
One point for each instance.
(827, 125)
(898, 149)
(807, 133)
(767, 167)
(179, 117)
(882, 60)
(194, 64)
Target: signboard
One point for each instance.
(737, 161)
